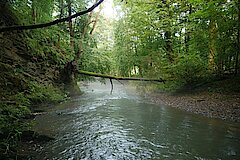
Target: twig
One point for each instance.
(120, 82)
(111, 85)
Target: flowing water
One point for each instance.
(122, 126)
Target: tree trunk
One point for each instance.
(119, 78)
(96, 20)
(212, 45)
(80, 45)
(238, 40)
(168, 46)
(168, 35)
(34, 12)
(187, 34)
(70, 69)
(70, 25)
(61, 7)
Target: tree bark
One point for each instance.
(61, 7)
(168, 34)
(238, 40)
(96, 20)
(70, 25)
(119, 78)
(80, 45)
(212, 45)
(169, 46)
(187, 34)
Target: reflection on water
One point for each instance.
(98, 125)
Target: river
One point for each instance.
(124, 126)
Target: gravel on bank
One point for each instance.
(214, 105)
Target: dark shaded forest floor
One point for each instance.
(216, 99)
(26, 147)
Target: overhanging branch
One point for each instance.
(119, 78)
(43, 25)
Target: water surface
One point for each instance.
(125, 126)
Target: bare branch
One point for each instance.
(111, 86)
(43, 25)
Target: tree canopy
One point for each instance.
(185, 40)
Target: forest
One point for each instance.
(46, 47)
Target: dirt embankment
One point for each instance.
(214, 105)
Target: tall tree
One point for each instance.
(70, 25)
(238, 38)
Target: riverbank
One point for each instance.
(213, 105)
(217, 100)
(29, 144)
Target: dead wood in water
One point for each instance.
(119, 78)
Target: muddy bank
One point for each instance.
(214, 105)
(27, 146)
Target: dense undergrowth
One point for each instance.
(29, 76)
(224, 85)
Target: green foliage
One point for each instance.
(39, 93)
(44, 46)
(174, 39)
(98, 63)
(10, 117)
(189, 68)
(12, 124)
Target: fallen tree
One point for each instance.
(86, 73)
(119, 78)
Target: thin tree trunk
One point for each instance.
(34, 12)
(168, 35)
(238, 40)
(212, 45)
(70, 25)
(69, 72)
(168, 46)
(61, 7)
(96, 20)
(187, 36)
(80, 44)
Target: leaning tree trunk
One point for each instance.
(70, 69)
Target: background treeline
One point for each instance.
(181, 40)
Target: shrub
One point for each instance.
(189, 68)
(39, 93)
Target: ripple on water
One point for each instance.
(122, 127)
